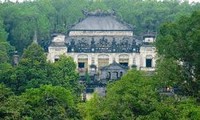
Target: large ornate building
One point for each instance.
(101, 39)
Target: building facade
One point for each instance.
(100, 39)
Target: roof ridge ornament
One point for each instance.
(99, 12)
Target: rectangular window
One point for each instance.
(148, 62)
(124, 64)
(81, 65)
(56, 59)
(103, 62)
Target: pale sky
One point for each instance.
(194, 0)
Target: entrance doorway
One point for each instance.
(148, 63)
(81, 65)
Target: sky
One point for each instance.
(23, 0)
(194, 1)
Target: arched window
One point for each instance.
(103, 60)
(83, 61)
(124, 59)
(56, 58)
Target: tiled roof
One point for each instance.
(115, 66)
(101, 23)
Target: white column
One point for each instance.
(75, 57)
(131, 57)
(96, 60)
(111, 58)
(117, 57)
(90, 55)
(138, 60)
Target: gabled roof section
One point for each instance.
(114, 66)
(102, 22)
(58, 41)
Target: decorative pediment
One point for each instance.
(115, 66)
(149, 56)
(102, 45)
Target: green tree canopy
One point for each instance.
(63, 73)
(49, 16)
(5, 47)
(49, 102)
(46, 102)
(129, 98)
(179, 41)
(135, 97)
(31, 71)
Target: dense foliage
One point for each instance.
(37, 89)
(178, 46)
(46, 102)
(21, 20)
(134, 97)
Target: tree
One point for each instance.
(21, 24)
(131, 97)
(4, 93)
(49, 16)
(63, 73)
(3, 33)
(88, 111)
(5, 47)
(11, 107)
(179, 42)
(5, 51)
(49, 102)
(31, 71)
(46, 102)
(135, 97)
(169, 73)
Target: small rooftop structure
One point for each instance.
(58, 41)
(149, 37)
(59, 38)
(114, 66)
(113, 71)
